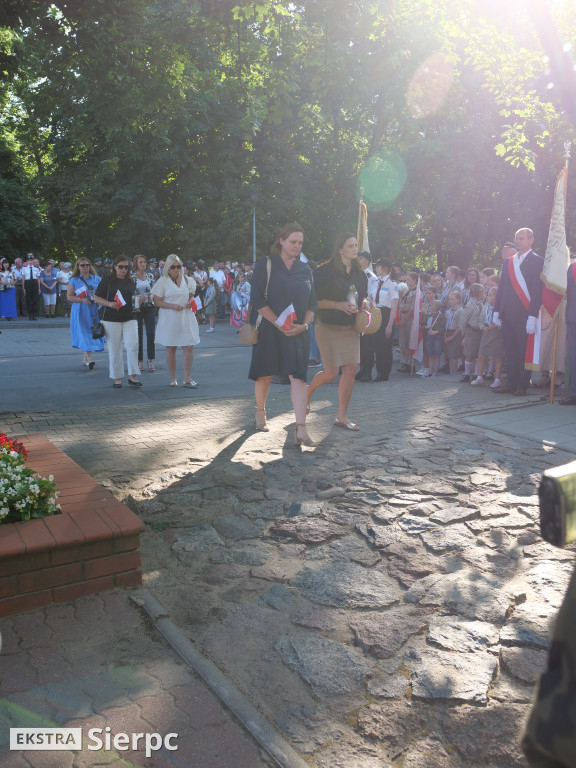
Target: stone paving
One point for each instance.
(383, 599)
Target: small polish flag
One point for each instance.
(81, 292)
(195, 304)
(119, 299)
(286, 319)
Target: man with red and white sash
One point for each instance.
(517, 309)
(571, 334)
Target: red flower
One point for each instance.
(12, 445)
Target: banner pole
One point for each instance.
(554, 353)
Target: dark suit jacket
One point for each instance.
(507, 303)
(571, 295)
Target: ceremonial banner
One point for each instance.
(556, 261)
(415, 345)
(362, 233)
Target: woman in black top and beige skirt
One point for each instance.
(341, 287)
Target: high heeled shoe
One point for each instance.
(260, 424)
(307, 441)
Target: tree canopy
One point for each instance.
(157, 125)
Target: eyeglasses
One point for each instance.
(122, 266)
(175, 266)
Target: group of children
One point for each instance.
(456, 321)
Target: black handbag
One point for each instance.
(97, 327)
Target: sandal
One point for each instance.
(346, 425)
(151, 366)
(307, 441)
(259, 424)
(140, 365)
(191, 384)
(173, 384)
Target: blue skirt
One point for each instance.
(8, 302)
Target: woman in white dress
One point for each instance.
(177, 326)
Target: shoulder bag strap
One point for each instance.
(249, 307)
(268, 272)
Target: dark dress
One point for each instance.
(276, 354)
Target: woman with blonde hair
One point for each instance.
(177, 326)
(80, 295)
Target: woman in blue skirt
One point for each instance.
(7, 291)
(80, 293)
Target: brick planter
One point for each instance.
(91, 547)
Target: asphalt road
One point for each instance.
(40, 371)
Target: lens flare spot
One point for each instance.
(429, 86)
(382, 179)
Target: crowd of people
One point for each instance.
(135, 321)
(484, 324)
(475, 324)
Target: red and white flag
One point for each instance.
(287, 318)
(81, 292)
(195, 304)
(415, 345)
(119, 299)
(556, 261)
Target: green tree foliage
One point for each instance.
(151, 125)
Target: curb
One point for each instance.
(284, 755)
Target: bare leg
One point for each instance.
(171, 362)
(187, 357)
(345, 391)
(299, 397)
(261, 387)
(321, 378)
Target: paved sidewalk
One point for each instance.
(97, 663)
(553, 424)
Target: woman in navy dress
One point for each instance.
(283, 352)
(80, 293)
